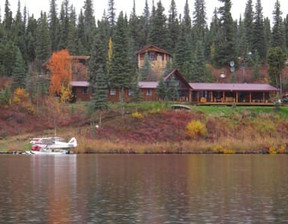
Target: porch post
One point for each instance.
(263, 97)
(198, 97)
(250, 97)
(237, 97)
(211, 97)
(223, 97)
(190, 96)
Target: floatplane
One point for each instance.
(51, 145)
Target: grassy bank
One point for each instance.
(155, 128)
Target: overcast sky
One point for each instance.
(238, 6)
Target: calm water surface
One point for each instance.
(144, 189)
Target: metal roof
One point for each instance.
(232, 87)
(148, 85)
(79, 83)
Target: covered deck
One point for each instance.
(233, 94)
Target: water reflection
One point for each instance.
(144, 189)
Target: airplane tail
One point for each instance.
(73, 142)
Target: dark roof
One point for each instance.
(152, 48)
(232, 87)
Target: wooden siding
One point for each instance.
(81, 93)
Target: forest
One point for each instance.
(253, 42)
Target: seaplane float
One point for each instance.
(51, 146)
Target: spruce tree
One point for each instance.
(89, 24)
(97, 60)
(286, 30)
(248, 22)
(121, 75)
(136, 95)
(161, 89)
(199, 19)
(267, 33)
(31, 33)
(278, 33)
(81, 35)
(111, 13)
(158, 33)
(186, 17)
(259, 44)
(173, 27)
(64, 25)
(53, 25)
(225, 47)
(72, 39)
(19, 73)
(43, 44)
(146, 70)
(145, 25)
(7, 16)
(172, 89)
(99, 99)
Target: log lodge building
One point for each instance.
(194, 93)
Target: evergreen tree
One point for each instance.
(146, 70)
(256, 63)
(19, 73)
(186, 18)
(248, 22)
(111, 13)
(199, 19)
(121, 74)
(136, 95)
(259, 44)
(276, 63)
(43, 45)
(225, 47)
(89, 24)
(278, 33)
(31, 33)
(72, 39)
(161, 89)
(53, 25)
(97, 61)
(286, 30)
(8, 19)
(145, 25)
(172, 89)
(99, 99)
(7, 58)
(158, 33)
(18, 32)
(241, 42)
(173, 27)
(81, 35)
(64, 25)
(267, 33)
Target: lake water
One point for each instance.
(144, 189)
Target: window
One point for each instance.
(112, 92)
(85, 90)
(130, 92)
(152, 56)
(149, 92)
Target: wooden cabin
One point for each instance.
(232, 93)
(158, 59)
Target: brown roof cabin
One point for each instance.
(158, 59)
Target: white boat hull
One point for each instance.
(47, 152)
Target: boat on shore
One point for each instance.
(51, 146)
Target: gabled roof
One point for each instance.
(154, 48)
(232, 87)
(177, 73)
